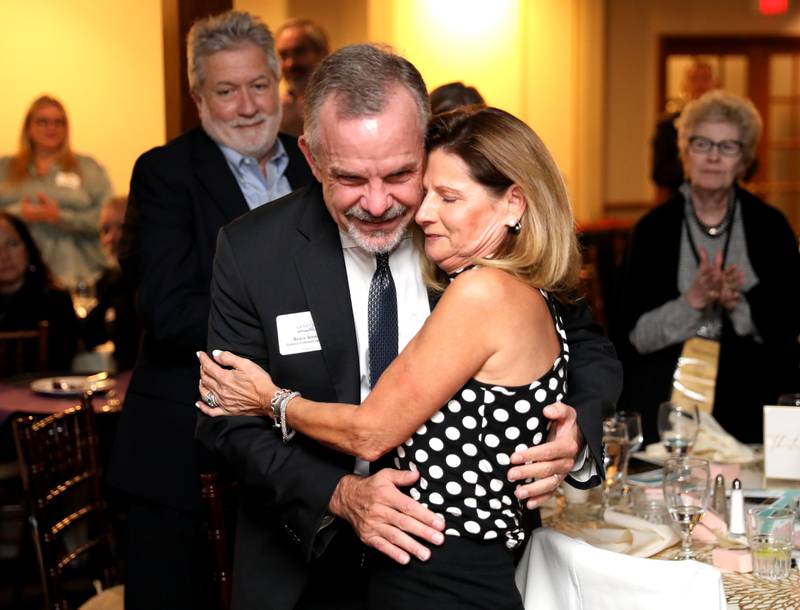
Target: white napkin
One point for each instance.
(713, 443)
(630, 535)
(561, 573)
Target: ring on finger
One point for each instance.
(210, 399)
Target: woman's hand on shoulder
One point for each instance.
(232, 385)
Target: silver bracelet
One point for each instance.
(275, 403)
(286, 432)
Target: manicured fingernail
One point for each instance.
(216, 352)
(438, 522)
(438, 538)
(197, 354)
(197, 404)
(405, 559)
(424, 555)
(532, 504)
(513, 474)
(521, 494)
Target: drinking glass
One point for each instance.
(615, 440)
(633, 424)
(678, 426)
(770, 533)
(687, 487)
(84, 298)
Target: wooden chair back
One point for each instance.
(63, 487)
(219, 499)
(24, 351)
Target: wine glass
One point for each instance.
(633, 424)
(678, 426)
(615, 440)
(687, 488)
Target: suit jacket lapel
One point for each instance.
(320, 267)
(213, 173)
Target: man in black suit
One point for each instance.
(180, 196)
(289, 293)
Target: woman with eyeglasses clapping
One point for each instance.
(711, 284)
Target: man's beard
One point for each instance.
(386, 241)
(256, 145)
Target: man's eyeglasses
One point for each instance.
(727, 148)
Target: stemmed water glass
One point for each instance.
(615, 440)
(678, 426)
(687, 487)
(633, 425)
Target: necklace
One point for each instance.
(717, 229)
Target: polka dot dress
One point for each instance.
(463, 451)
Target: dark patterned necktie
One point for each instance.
(382, 317)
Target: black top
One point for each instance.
(752, 372)
(28, 306)
(464, 449)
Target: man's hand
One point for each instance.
(385, 518)
(551, 461)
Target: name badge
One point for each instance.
(69, 180)
(297, 333)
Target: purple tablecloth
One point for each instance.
(16, 397)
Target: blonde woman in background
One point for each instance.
(58, 193)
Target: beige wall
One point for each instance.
(345, 21)
(633, 30)
(539, 60)
(103, 60)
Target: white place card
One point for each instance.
(782, 443)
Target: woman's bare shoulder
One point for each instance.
(494, 291)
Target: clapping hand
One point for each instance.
(732, 283)
(706, 287)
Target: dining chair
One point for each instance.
(66, 507)
(219, 503)
(23, 351)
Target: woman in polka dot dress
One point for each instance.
(469, 388)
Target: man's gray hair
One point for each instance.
(362, 77)
(228, 30)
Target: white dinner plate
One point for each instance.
(71, 385)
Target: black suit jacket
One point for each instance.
(288, 486)
(180, 196)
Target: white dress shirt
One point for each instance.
(413, 307)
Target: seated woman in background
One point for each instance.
(57, 193)
(114, 317)
(471, 387)
(718, 265)
(28, 295)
